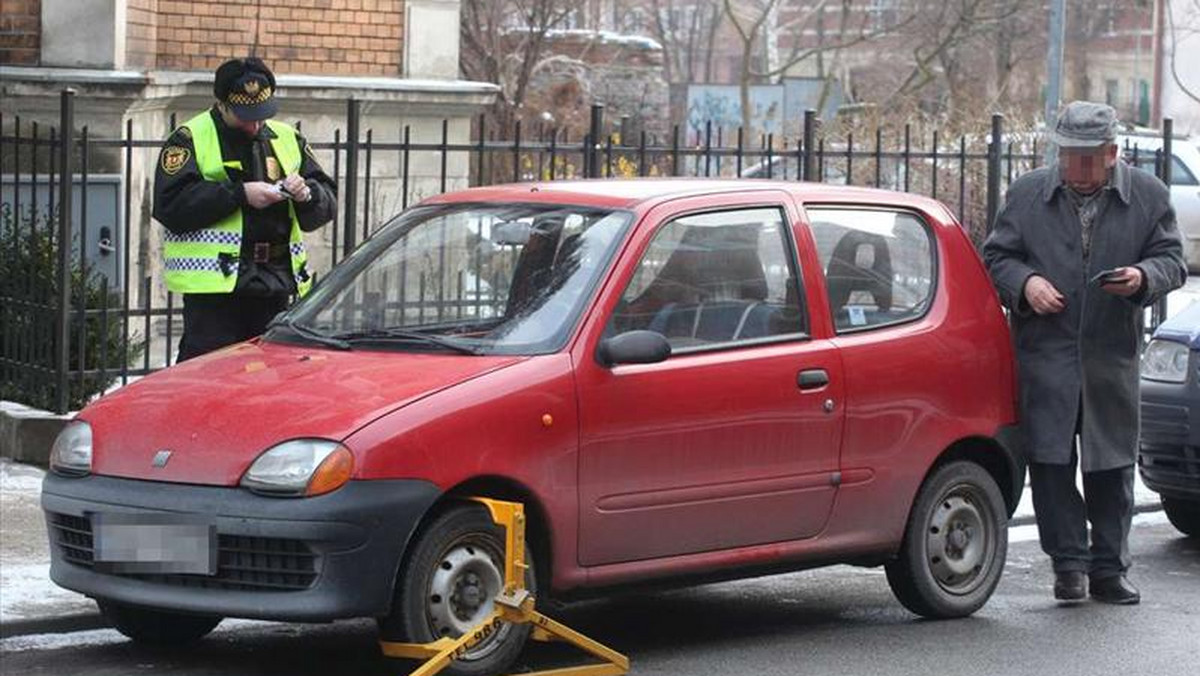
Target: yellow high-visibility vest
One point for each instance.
(193, 259)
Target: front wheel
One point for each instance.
(448, 585)
(1184, 515)
(156, 627)
(954, 544)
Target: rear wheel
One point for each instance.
(954, 545)
(156, 627)
(448, 585)
(1184, 515)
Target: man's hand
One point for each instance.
(1126, 284)
(261, 195)
(1043, 297)
(298, 189)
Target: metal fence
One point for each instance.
(69, 327)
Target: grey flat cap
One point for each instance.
(1084, 124)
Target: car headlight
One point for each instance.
(72, 451)
(1165, 361)
(300, 467)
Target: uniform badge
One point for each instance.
(173, 159)
(251, 87)
(273, 171)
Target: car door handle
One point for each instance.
(812, 379)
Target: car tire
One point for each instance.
(1184, 515)
(459, 555)
(955, 543)
(156, 627)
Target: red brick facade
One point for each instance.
(20, 32)
(313, 37)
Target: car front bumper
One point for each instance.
(1169, 449)
(299, 559)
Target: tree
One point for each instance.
(504, 42)
(687, 31)
(760, 23)
(1183, 26)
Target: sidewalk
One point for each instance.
(31, 604)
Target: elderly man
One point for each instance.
(235, 189)
(1077, 252)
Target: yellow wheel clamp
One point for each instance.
(515, 606)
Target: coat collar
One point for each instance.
(1119, 180)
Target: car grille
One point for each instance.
(1173, 465)
(246, 563)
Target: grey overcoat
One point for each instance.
(1088, 354)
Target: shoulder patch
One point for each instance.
(173, 159)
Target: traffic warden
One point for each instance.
(235, 190)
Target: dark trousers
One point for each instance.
(1063, 516)
(213, 320)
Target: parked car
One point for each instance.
(1143, 151)
(682, 381)
(1168, 459)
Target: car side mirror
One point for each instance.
(634, 347)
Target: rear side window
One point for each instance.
(715, 279)
(879, 265)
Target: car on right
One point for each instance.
(1142, 150)
(1169, 452)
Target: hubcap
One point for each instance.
(960, 541)
(462, 593)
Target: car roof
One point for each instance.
(643, 193)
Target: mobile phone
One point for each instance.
(1106, 276)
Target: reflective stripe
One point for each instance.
(206, 237)
(192, 264)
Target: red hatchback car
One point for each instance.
(682, 380)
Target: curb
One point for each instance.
(62, 624)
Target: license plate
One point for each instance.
(154, 543)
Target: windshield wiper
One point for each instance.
(404, 334)
(311, 334)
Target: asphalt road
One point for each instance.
(837, 620)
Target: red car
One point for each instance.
(682, 380)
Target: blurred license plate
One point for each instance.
(154, 543)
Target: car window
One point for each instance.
(1147, 161)
(715, 279)
(879, 265)
(495, 278)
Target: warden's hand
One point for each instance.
(261, 195)
(298, 188)
(1043, 297)
(1127, 284)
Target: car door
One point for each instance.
(733, 440)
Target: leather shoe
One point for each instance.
(1070, 586)
(1116, 590)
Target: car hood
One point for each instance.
(218, 412)
(1183, 327)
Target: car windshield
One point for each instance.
(470, 278)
